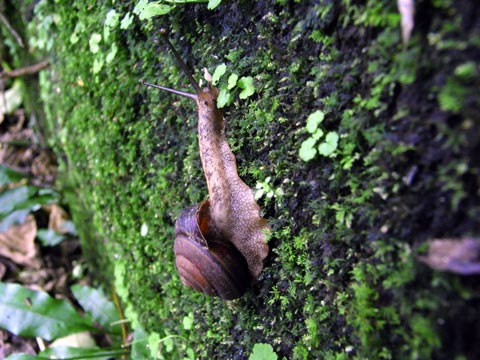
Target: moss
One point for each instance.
(341, 280)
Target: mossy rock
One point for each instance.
(342, 279)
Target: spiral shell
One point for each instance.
(205, 261)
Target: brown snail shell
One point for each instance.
(206, 262)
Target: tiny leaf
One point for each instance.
(94, 43)
(330, 144)
(154, 9)
(97, 65)
(317, 134)
(307, 150)
(126, 21)
(263, 352)
(111, 19)
(188, 321)
(212, 4)
(140, 6)
(223, 99)
(232, 81)
(218, 73)
(246, 84)
(111, 54)
(314, 120)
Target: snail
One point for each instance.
(220, 244)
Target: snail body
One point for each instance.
(220, 243)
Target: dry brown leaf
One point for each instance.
(407, 14)
(16, 155)
(13, 344)
(44, 166)
(460, 256)
(45, 279)
(57, 218)
(18, 243)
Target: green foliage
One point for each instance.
(263, 352)
(26, 312)
(25, 357)
(212, 4)
(8, 176)
(17, 201)
(31, 313)
(225, 97)
(101, 309)
(147, 10)
(139, 348)
(456, 90)
(310, 146)
(264, 188)
(65, 352)
(330, 144)
(48, 237)
(218, 73)
(24, 198)
(247, 86)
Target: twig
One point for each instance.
(27, 70)
(12, 31)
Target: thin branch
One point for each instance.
(27, 70)
(11, 30)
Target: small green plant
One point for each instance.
(453, 94)
(147, 10)
(18, 199)
(244, 84)
(310, 146)
(264, 188)
(263, 352)
(32, 313)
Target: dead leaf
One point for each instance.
(18, 243)
(11, 153)
(460, 256)
(44, 166)
(13, 344)
(57, 218)
(12, 99)
(78, 340)
(45, 279)
(406, 9)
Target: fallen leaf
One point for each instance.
(460, 256)
(18, 243)
(44, 166)
(82, 340)
(407, 13)
(57, 219)
(12, 98)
